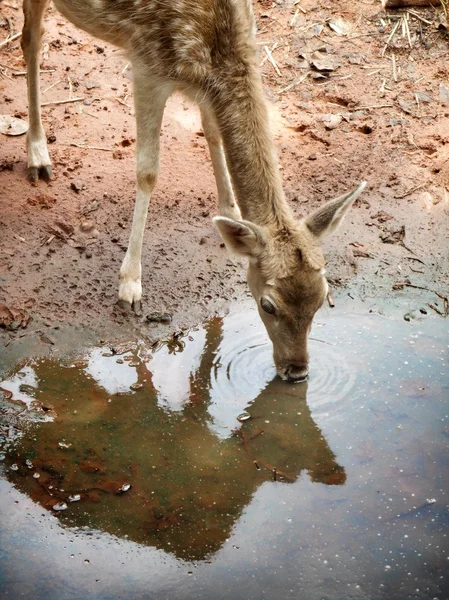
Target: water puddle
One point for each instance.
(195, 459)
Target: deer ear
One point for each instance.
(241, 237)
(326, 219)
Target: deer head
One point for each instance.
(286, 276)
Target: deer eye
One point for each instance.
(267, 306)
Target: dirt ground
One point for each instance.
(349, 102)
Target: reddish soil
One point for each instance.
(62, 243)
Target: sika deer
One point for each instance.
(206, 48)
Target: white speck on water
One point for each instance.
(74, 498)
(125, 487)
(60, 506)
(36, 475)
(14, 467)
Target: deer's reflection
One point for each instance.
(189, 486)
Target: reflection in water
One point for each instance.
(156, 475)
(358, 510)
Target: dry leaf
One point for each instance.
(340, 26)
(11, 126)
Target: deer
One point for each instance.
(207, 50)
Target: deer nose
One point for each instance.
(297, 373)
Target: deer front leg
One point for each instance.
(149, 100)
(39, 164)
(226, 200)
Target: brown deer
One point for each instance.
(207, 49)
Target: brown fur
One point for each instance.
(207, 49)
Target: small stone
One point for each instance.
(90, 85)
(60, 506)
(331, 121)
(74, 498)
(158, 317)
(125, 487)
(66, 227)
(87, 226)
(88, 254)
(424, 97)
(443, 94)
(77, 185)
(244, 416)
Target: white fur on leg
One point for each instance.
(130, 280)
(37, 152)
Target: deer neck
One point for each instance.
(250, 154)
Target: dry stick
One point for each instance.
(407, 30)
(374, 106)
(63, 101)
(90, 147)
(415, 189)
(295, 16)
(435, 309)
(414, 258)
(390, 37)
(393, 62)
(293, 84)
(330, 300)
(18, 73)
(10, 39)
(272, 61)
(265, 58)
(420, 18)
(51, 86)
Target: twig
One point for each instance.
(272, 61)
(330, 300)
(322, 341)
(19, 73)
(63, 101)
(407, 31)
(373, 106)
(293, 84)
(390, 37)
(410, 12)
(415, 189)
(437, 310)
(295, 16)
(414, 258)
(90, 147)
(445, 303)
(265, 58)
(393, 63)
(10, 39)
(51, 86)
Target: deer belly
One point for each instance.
(100, 18)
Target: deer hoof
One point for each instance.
(130, 307)
(36, 173)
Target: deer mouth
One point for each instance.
(294, 373)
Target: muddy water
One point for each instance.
(191, 471)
